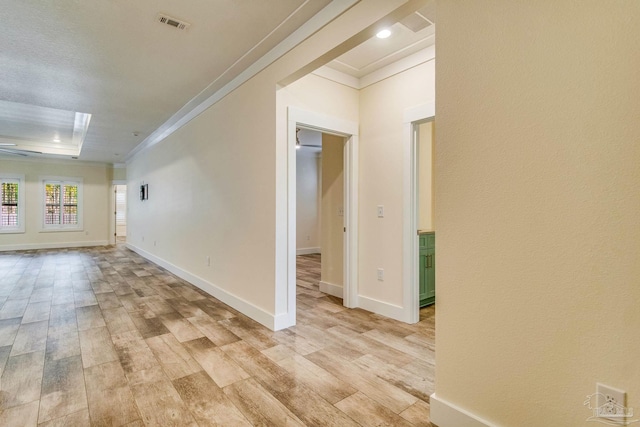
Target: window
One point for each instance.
(62, 204)
(12, 204)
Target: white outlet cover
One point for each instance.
(380, 211)
(611, 403)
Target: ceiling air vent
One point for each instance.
(415, 22)
(174, 22)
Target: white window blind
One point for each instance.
(11, 204)
(62, 204)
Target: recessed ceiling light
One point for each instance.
(383, 34)
(56, 139)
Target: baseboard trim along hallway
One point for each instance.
(446, 414)
(256, 313)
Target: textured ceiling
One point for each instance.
(111, 59)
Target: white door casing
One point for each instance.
(332, 125)
(410, 285)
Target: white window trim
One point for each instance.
(63, 180)
(8, 177)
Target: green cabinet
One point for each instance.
(427, 267)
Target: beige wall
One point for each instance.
(96, 193)
(425, 176)
(211, 192)
(381, 173)
(332, 210)
(317, 94)
(537, 207)
(119, 174)
(307, 198)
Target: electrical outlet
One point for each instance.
(340, 211)
(380, 211)
(611, 403)
(381, 274)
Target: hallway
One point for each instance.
(100, 336)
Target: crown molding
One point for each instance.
(401, 65)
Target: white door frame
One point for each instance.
(308, 119)
(410, 286)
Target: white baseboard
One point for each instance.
(56, 245)
(384, 308)
(332, 289)
(244, 307)
(307, 251)
(446, 414)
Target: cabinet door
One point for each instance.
(427, 269)
(423, 276)
(430, 275)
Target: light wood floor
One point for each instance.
(100, 336)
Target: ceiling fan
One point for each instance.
(15, 151)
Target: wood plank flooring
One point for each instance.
(102, 337)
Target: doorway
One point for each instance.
(423, 138)
(413, 118)
(320, 212)
(120, 214)
(348, 132)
